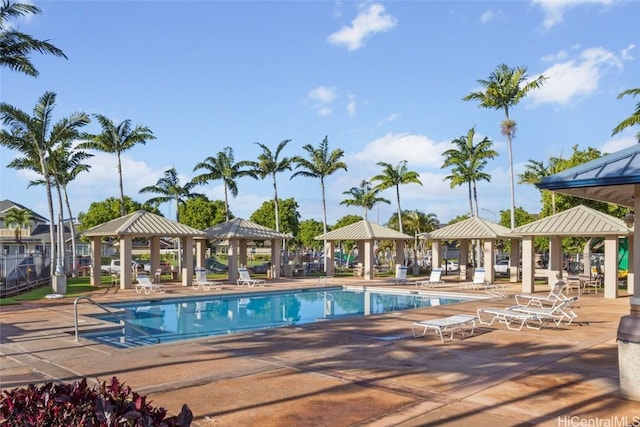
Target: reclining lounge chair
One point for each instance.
(204, 283)
(434, 279)
(245, 278)
(451, 324)
(147, 286)
(554, 297)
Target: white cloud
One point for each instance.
(554, 10)
(320, 98)
(351, 105)
(389, 119)
(490, 15)
(392, 148)
(575, 77)
(617, 144)
(370, 20)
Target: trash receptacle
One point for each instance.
(629, 356)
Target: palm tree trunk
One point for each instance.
(470, 199)
(51, 224)
(399, 210)
(122, 209)
(475, 197)
(324, 225)
(275, 203)
(74, 255)
(226, 202)
(61, 255)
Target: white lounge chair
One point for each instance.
(144, 284)
(554, 296)
(204, 283)
(401, 274)
(435, 278)
(245, 278)
(451, 324)
(479, 282)
(516, 317)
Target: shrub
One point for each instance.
(105, 405)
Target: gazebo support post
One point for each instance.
(611, 267)
(96, 261)
(187, 265)
(232, 260)
(514, 261)
(126, 272)
(329, 253)
(463, 259)
(436, 260)
(528, 267)
(201, 253)
(555, 270)
(368, 260)
(276, 258)
(489, 259)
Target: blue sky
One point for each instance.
(383, 80)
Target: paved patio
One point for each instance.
(350, 372)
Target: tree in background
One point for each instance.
(365, 196)
(309, 229)
(504, 89)
(534, 172)
(169, 189)
(633, 119)
(393, 177)
(110, 209)
(21, 218)
(467, 163)
(35, 138)
(270, 164)
(346, 245)
(223, 167)
(321, 164)
(200, 212)
(116, 140)
(15, 47)
(289, 218)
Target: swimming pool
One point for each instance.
(167, 320)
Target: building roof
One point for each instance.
(471, 228)
(579, 221)
(364, 230)
(239, 228)
(6, 205)
(143, 224)
(610, 178)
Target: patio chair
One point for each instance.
(479, 282)
(204, 283)
(554, 296)
(401, 274)
(556, 314)
(144, 284)
(245, 278)
(451, 324)
(434, 279)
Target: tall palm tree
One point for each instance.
(534, 172)
(169, 189)
(20, 218)
(269, 164)
(365, 195)
(36, 138)
(633, 119)
(321, 164)
(116, 140)
(15, 47)
(467, 162)
(223, 167)
(504, 89)
(394, 177)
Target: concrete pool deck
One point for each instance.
(348, 372)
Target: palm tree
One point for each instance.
(170, 190)
(116, 140)
(394, 177)
(21, 218)
(269, 164)
(15, 47)
(534, 172)
(223, 167)
(36, 139)
(364, 195)
(633, 119)
(321, 163)
(504, 89)
(467, 163)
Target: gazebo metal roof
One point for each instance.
(577, 221)
(364, 230)
(471, 228)
(610, 178)
(143, 224)
(239, 228)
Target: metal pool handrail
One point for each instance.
(75, 317)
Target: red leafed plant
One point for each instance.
(107, 404)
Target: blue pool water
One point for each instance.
(185, 318)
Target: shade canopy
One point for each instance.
(471, 228)
(610, 178)
(239, 228)
(143, 224)
(364, 230)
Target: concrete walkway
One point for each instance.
(350, 372)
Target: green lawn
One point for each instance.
(75, 287)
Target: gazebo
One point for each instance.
(238, 232)
(142, 224)
(579, 221)
(365, 233)
(475, 228)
